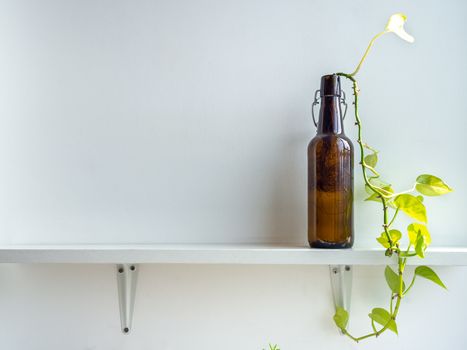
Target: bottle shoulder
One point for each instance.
(339, 139)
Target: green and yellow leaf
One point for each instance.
(395, 237)
(392, 280)
(341, 318)
(420, 246)
(430, 185)
(383, 317)
(371, 160)
(416, 228)
(411, 206)
(376, 197)
(428, 273)
(381, 186)
(377, 182)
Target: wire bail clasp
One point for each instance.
(342, 100)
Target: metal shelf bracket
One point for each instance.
(127, 275)
(341, 284)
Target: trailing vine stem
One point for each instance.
(410, 205)
(402, 202)
(393, 247)
(362, 157)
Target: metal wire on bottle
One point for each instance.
(316, 102)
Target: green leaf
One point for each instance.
(384, 190)
(383, 317)
(430, 185)
(383, 240)
(377, 182)
(420, 246)
(371, 160)
(393, 280)
(341, 318)
(379, 185)
(416, 228)
(375, 197)
(420, 198)
(411, 206)
(428, 273)
(395, 237)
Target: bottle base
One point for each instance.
(330, 245)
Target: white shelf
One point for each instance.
(216, 254)
(127, 257)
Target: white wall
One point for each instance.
(188, 121)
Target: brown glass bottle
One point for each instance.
(330, 174)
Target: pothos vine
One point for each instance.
(405, 202)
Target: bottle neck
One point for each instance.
(330, 116)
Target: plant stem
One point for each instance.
(373, 326)
(362, 150)
(390, 303)
(401, 261)
(393, 218)
(366, 53)
(411, 284)
(399, 193)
